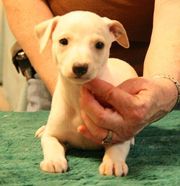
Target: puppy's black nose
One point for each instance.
(80, 69)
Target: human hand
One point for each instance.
(126, 109)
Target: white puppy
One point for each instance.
(81, 43)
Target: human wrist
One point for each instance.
(174, 81)
(170, 88)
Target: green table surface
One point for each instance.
(154, 160)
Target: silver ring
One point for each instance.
(108, 138)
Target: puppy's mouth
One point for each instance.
(80, 80)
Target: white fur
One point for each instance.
(83, 30)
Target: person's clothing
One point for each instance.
(136, 16)
(38, 97)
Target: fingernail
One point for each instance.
(80, 129)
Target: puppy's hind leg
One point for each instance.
(114, 160)
(54, 155)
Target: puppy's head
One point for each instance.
(81, 42)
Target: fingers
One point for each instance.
(91, 131)
(121, 118)
(115, 96)
(90, 105)
(100, 116)
(99, 137)
(85, 132)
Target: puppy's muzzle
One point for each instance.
(80, 69)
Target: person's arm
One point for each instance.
(138, 102)
(163, 56)
(22, 18)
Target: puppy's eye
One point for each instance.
(99, 45)
(63, 41)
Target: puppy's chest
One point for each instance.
(69, 119)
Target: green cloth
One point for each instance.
(154, 160)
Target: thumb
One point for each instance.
(134, 86)
(108, 93)
(99, 87)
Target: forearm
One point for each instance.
(163, 56)
(22, 17)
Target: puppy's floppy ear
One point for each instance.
(44, 31)
(118, 31)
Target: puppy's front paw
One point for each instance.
(109, 168)
(54, 166)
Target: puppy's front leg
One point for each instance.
(54, 155)
(114, 160)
